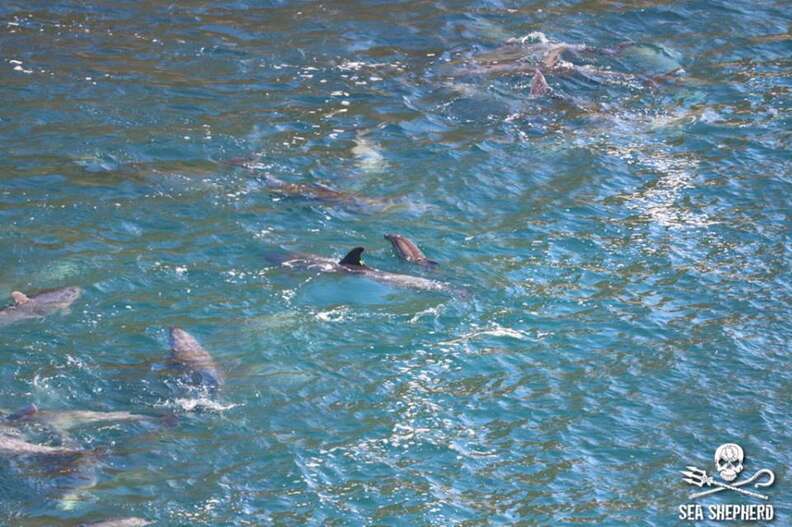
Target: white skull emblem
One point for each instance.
(729, 460)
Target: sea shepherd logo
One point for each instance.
(729, 459)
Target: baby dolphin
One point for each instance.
(38, 306)
(119, 522)
(407, 250)
(187, 353)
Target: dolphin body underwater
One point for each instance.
(352, 263)
(12, 440)
(60, 471)
(119, 522)
(12, 443)
(66, 420)
(188, 354)
(321, 193)
(38, 306)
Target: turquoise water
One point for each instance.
(625, 247)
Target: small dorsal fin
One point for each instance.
(19, 297)
(353, 257)
(539, 86)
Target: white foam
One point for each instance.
(367, 152)
(201, 403)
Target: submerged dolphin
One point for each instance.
(323, 194)
(352, 263)
(67, 468)
(67, 419)
(38, 306)
(119, 522)
(12, 443)
(407, 250)
(187, 353)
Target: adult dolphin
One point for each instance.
(39, 305)
(352, 263)
(187, 353)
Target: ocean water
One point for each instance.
(624, 247)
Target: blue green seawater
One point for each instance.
(625, 248)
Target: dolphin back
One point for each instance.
(57, 298)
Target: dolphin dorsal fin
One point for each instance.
(353, 257)
(19, 298)
(539, 86)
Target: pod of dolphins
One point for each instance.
(537, 55)
(187, 357)
(533, 54)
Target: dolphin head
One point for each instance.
(175, 335)
(408, 250)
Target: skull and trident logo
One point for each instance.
(729, 459)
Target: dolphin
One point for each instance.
(68, 419)
(536, 53)
(187, 353)
(534, 48)
(119, 522)
(323, 194)
(19, 447)
(352, 263)
(38, 306)
(68, 467)
(532, 51)
(13, 444)
(407, 250)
